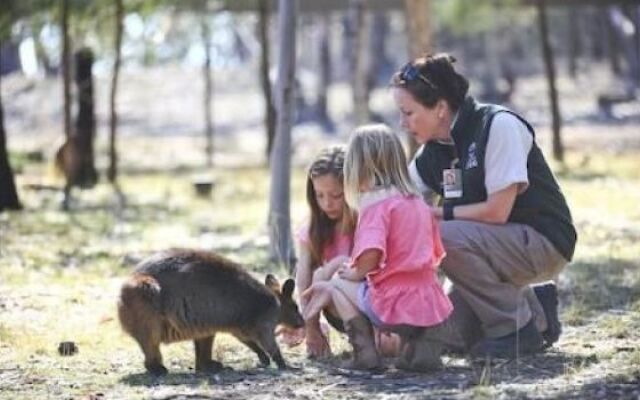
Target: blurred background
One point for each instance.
(196, 69)
(131, 126)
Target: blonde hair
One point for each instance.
(375, 160)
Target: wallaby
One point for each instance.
(77, 167)
(185, 294)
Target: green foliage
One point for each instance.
(469, 17)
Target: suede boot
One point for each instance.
(527, 340)
(422, 349)
(547, 295)
(365, 354)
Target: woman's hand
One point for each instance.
(437, 212)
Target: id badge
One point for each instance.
(452, 183)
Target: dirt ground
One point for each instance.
(60, 273)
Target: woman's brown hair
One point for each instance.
(432, 77)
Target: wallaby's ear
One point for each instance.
(272, 283)
(287, 288)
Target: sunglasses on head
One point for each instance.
(410, 73)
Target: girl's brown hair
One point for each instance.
(322, 228)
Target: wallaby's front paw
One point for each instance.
(210, 366)
(157, 370)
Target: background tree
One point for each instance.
(85, 126)
(550, 70)
(358, 22)
(112, 170)
(66, 66)
(265, 83)
(419, 38)
(8, 193)
(207, 103)
(279, 213)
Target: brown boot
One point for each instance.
(407, 349)
(421, 350)
(426, 355)
(365, 354)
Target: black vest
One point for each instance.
(542, 206)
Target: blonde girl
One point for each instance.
(390, 280)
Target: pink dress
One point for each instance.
(340, 246)
(404, 288)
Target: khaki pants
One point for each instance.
(491, 268)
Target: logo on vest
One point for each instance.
(472, 159)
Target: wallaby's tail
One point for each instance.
(139, 302)
(141, 288)
(140, 308)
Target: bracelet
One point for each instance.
(447, 212)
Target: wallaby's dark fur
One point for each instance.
(191, 295)
(76, 164)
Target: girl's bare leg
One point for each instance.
(345, 298)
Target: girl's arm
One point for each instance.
(303, 272)
(365, 263)
(317, 344)
(329, 269)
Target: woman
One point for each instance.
(506, 223)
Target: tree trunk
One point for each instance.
(613, 47)
(575, 39)
(325, 73)
(112, 172)
(8, 193)
(547, 55)
(208, 89)
(419, 26)
(269, 111)
(66, 70)
(420, 36)
(621, 25)
(596, 32)
(380, 63)
(359, 22)
(279, 213)
(85, 127)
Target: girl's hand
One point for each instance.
(317, 297)
(317, 342)
(349, 274)
(291, 336)
(327, 271)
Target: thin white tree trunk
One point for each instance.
(279, 215)
(359, 21)
(207, 102)
(112, 172)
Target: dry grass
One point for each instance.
(60, 273)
